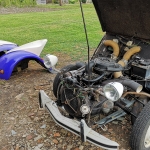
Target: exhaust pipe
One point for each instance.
(125, 59)
(79, 128)
(115, 47)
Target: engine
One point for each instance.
(85, 90)
(96, 87)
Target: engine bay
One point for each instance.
(84, 88)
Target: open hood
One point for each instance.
(124, 17)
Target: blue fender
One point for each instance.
(7, 47)
(10, 60)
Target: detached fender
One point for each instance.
(10, 60)
(7, 47)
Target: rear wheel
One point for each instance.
(140, 136)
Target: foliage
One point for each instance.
(83, 1)
(63, 28)
(55, 1)
(72, 1)
(18, 3)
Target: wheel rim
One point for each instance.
(147, 138)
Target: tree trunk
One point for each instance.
(60, 2)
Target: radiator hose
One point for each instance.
(115, 47)
(125, 59)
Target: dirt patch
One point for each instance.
(23, 126)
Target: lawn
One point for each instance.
(63, 27)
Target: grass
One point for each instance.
(63, 27)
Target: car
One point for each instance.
(14, 58)
(114, 83)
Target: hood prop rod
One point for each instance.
(87, 41)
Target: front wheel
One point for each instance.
(140, 136)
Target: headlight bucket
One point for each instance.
(50, 61)
(113, 91)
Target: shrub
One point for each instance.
(18, 3)
(72, 1)
(55, 1)
(83, 1)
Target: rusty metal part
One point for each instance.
(67, 74)
(135, 93)
(68, 102)
(99, 91)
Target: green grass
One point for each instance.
(63, 27)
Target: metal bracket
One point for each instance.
(84, 130)
(43, 99)
(116, 114)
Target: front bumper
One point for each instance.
(74, 126)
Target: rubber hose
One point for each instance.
(125, 59)
(114, 45)
(131, 52)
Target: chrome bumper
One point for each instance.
(74, 126)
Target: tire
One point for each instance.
(141, 130)
(57, 78)
(137, 108)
